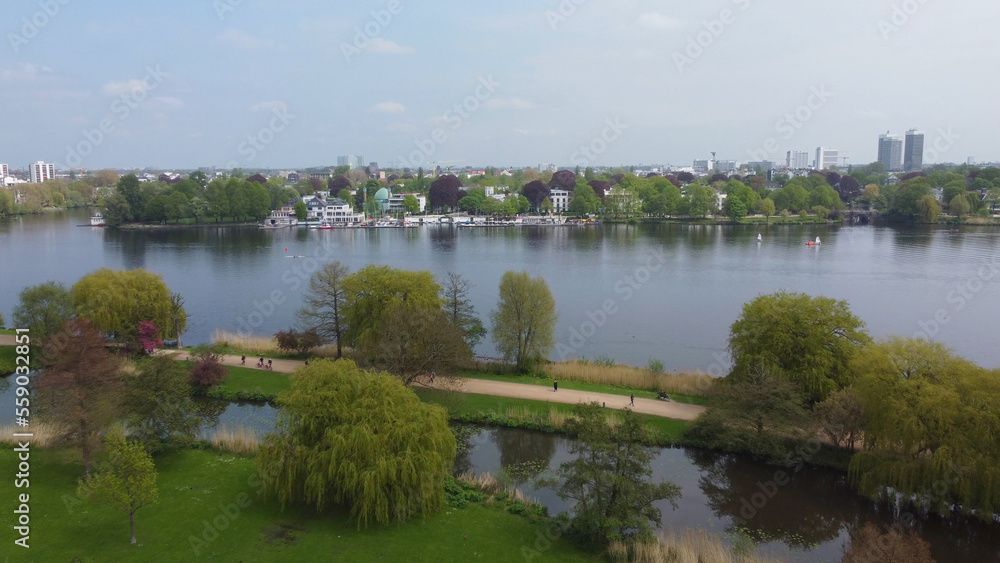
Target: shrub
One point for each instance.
(208, 372)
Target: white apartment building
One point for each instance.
(826, 158)
(560, 200)
(335, 211)
(797, 160)
(4, 171)
(41, 171)
(396, 202)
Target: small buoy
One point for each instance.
(286, 250)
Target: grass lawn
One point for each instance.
(7, 331)
(248, 379)
(7, 364)
(546, 381)
(459, 404)
(198, 488)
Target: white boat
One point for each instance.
(817, 241)
(97, 220)
(759, 238)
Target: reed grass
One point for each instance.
(241, 440)
(45, 435)
(263, 345)
(491, 486)
(685, 383)
(689, 546)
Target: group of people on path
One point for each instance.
(260, 363)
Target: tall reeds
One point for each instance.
(687, 383)
(689, 546)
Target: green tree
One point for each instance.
(43, 309)
(127, 481)
(959, 206)
(457, 305)
(932, 428)
(610, 478)
(524, 322)
(159, 412)
(373, 290)
(415, 341)
(324, 304)
(766, 208)
(79, 390)
(130, 189)
(301, 212)
(871, 192)
(115, 301)
(809, 340)
(735, 209)
(700, 200)
(410, 204)
(928, 209)
(357, 439)
(546, 206)
(754, 413)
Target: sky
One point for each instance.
(297, 83)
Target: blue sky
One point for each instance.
(219, 73)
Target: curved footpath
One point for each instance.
(7, 340)
(679, 411)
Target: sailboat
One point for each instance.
(759, 238)
(817, 241)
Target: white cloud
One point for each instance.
(379, 45)
(123, 87)
(656, 20)
(167, 102)
(242, 40)
(23, 72)
(514, 103)
(389, 107)
(269, 106)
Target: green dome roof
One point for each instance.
(382, 194)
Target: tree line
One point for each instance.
(923, 424)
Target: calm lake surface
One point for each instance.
(674, 289)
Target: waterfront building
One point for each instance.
(826, 159)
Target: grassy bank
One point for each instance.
(190, 522)
(7, 364)
(536, 415)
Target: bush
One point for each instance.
(295, 341)
(820, 211)
(208, 372)
(655, 366)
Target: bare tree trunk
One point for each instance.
(131, 522)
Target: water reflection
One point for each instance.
(767, 501)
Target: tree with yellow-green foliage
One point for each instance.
(116, 301)
(373, 290)
(932, 427)
(357, 439)
(127, 482)
(524, 322)
(808, 340)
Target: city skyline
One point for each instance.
(294, 84)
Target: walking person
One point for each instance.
(269, 365)
(243, 360)
(555, 385)
(632, 400)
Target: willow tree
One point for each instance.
(809, 340)
(931, 429)
(373, 290)
(525, 319)
(116, 301)
(358, 439)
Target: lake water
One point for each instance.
(674, 289)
